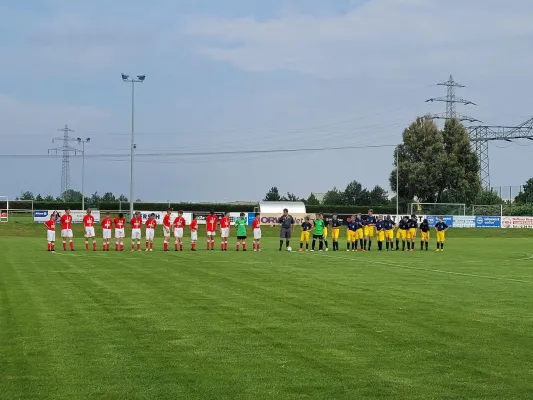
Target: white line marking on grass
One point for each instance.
(439, 271)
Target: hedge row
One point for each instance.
(114, 206)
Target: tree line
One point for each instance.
(74, 196)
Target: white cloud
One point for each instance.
(381, 36)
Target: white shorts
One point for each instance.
(107, 233)
(51, 236)
(178, 233)
(224, 232)
(136, 234)
(166, 231)
(257, 233)
(66, 233)
(150, 234)
(119, 233)
(194, 236)
(89, 232)
(211, 233)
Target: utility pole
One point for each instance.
(451, 100)
(66, 150)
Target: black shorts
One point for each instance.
(241, 237)
(319, 237)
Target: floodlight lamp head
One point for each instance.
(125, 77)
(78, 139)
(141, 77)
(88, 139)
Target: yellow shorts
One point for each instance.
(381, 236)
(411, 233)
(369, 231)
(304, 237)
(425, 236)
(335, 233)
(325, 235)
(351, 236)
(389, 234)
(441, 236)
(359, 234)
(401, 234)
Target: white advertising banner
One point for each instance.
(517, 222)
(464, 221)
(77, 215)
(159, 215)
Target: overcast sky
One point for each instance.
(238, 75)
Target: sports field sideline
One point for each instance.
(270, 325)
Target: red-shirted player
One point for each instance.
(151, 223)
(256, 225)
(107, 225)
(194, 232)
(120, 223)
(166, 229)
(88, 223)
(179, 225)
(225, 223)
(51, 232)
(66, 229)
(136, 224)
(211, 222)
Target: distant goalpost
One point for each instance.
(4, 209)
(437, 208)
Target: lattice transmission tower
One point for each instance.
(451, 101)
(480, 135)
(65, 150)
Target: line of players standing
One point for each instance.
(177, 226)
(360, 231)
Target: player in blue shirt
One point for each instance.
(380, 232)
(403, 226)
(351, 233)
(369, 230)
(441, 229)
(388, 226)
(359, 229)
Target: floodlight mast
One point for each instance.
(82, 142)
(133, 81)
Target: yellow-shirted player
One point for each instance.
(424, 233)
(389, 226)
(359, 232)
(304, 236)
(335, 231)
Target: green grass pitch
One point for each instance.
(270, 325)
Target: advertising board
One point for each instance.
(464, 221)
(433, 219)
(488, 222)
(517, 222)
(77, 215)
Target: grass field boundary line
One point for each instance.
(439, 271)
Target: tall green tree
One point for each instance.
(39, 197)
(312, 200)
(108, 197)
(27, 195)
(354, 194)
(488, 198)
(378, 197)
(459, 180)
(71, 195)
(526, 195)
(292, 197)
(419, 161)
(333, 197)
(49, 198)
(273, 194)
